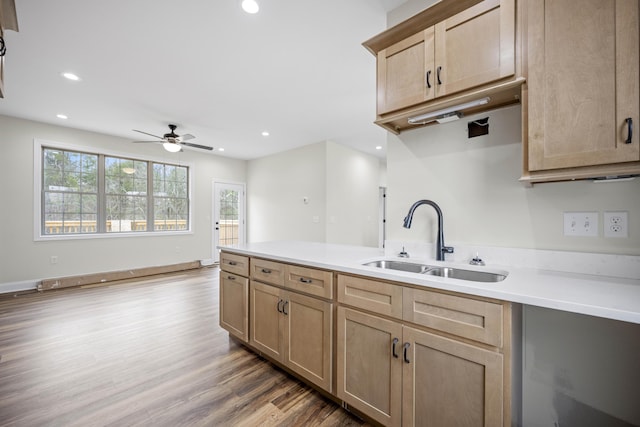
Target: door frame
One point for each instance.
(242, 213)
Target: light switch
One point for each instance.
(583, 224)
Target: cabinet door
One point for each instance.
(475, 47)
(234, 304)
(449, 383)
(266, 331)
(582, 82)
(406, 75)
(369, 376)
(308, 332)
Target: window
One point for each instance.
(93, 193)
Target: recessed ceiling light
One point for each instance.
(71, 76)
(250, 6)
(265, 133)
(220, 149)
(62, 116)
(379, 147)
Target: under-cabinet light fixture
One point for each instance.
(172, 147)
(446, 114)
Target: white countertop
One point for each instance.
(601, 296)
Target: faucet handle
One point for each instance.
(447, 249)
(476, 260)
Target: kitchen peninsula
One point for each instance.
(376, 339)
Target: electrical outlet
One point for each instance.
(616, 224)
(581, 224)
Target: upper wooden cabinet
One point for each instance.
(582, 87)
(464, 56)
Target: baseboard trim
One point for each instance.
(25, 285)
(90, 279)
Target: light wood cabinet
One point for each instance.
(409, 356)
(461, 52)
(293, 329)
(234, 295)
(582, 85)
(234, 300)
(447, 383)
(369, 375)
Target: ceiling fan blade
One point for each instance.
(147, 133)
(203, 147)
(146, 141)
(186, 137)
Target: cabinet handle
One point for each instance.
(233, 263)
(280, 306)
(393, 348)
(305, 280)
(284, 308)
(438, 74)
(428, 82)
(266, 271)
(231, 278)
(629, 121)
(404, 352)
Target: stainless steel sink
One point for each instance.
(397, 265)
(472, 275)
(432, 270)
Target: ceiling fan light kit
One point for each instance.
(172, 147)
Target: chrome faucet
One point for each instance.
(441, 249)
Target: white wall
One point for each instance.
(475, 182)
(24, 260)
(276, 187)
(340, 184)
(352, 196)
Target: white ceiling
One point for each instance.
(296, 69)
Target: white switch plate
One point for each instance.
(581, 224)
(616, 224)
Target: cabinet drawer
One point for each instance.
(468, 318)
(234, 263)
(267, 271)
(309, 280)
(378, 297)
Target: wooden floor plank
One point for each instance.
(142, 352)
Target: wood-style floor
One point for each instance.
(147, 352)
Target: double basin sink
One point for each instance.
(433, 270)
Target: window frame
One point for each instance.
(38, 232)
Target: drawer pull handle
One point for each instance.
(393, 348)
(438, 75)
(404, 352)
(233, 263)
(428, 82)
(231, 278)
(284, 308)
(266, 271)
(280, 306)
(305, 280)
(629, 121)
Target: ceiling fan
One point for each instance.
(174, 142)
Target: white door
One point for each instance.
(228, 215)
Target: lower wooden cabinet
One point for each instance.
(234, 304)
(399, 375)
(293, 329)
(369, 371)
(449, 383)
